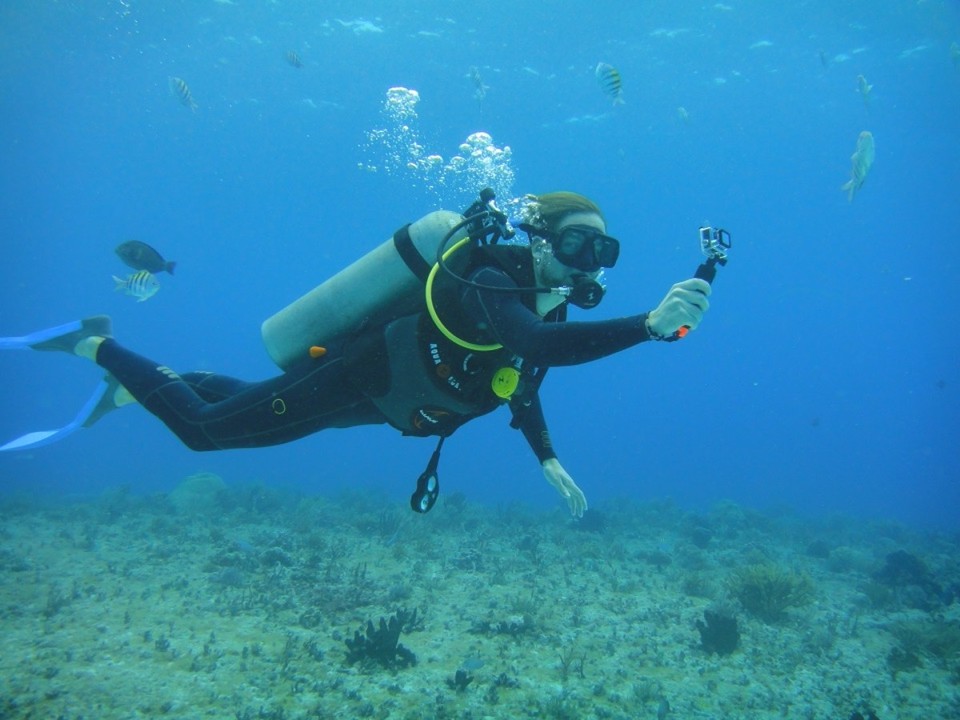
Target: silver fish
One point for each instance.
(294, 59)
(610, 82)
(480, 87)
(142, 285)
(860, 163)
(864, 88)
(180, 90)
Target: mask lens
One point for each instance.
(608, 250)
(585, 248)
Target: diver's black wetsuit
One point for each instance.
(211, 412)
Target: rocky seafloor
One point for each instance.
(250, 602)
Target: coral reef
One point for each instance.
(460, 680)
(198, 494)
(116, 608)
(381, 645)
(910, 581)
(768, 591)
(936, 639)
(718, 631)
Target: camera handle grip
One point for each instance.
(707, 270)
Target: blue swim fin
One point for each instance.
(45, 437)
(25, 342)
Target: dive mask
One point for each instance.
(579, 246)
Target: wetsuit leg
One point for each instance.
(211, 412)
(213, 387)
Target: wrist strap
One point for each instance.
(651, 332)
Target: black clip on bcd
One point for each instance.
(428, 484)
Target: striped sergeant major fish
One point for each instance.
(860, 163)
(142, 285)
(610, 82)
(180, 90)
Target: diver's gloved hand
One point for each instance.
(558, 477)
(684, 305)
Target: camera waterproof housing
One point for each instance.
(714, 242)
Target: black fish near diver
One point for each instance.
(180, 90)
(610, 82)
(141, 256)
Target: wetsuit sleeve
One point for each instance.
(529, 418)
(541, 343)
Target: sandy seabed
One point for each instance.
(222, 602)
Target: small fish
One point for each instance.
(610, 82)
(480, 88)
(682, 114)
(824, 60)
(141, 285)
(663, 709)
(860, 163)
(141, 256)
(294, 59)
(180, 90)
(955, 54)
(864, 88)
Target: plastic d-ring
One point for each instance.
(426, 494)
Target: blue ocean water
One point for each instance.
(824, 378)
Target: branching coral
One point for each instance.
(767, 591)
(381, 645)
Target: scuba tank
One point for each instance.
(384, 284)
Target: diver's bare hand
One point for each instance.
(683, 306)
(560, 479)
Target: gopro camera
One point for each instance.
(714, 242)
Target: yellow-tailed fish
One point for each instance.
(860, 163)
(608, 77)
(142, 285)
(180, 90)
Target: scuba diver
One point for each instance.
(439, 325)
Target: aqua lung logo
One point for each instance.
(429, 418)
(443, 369)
